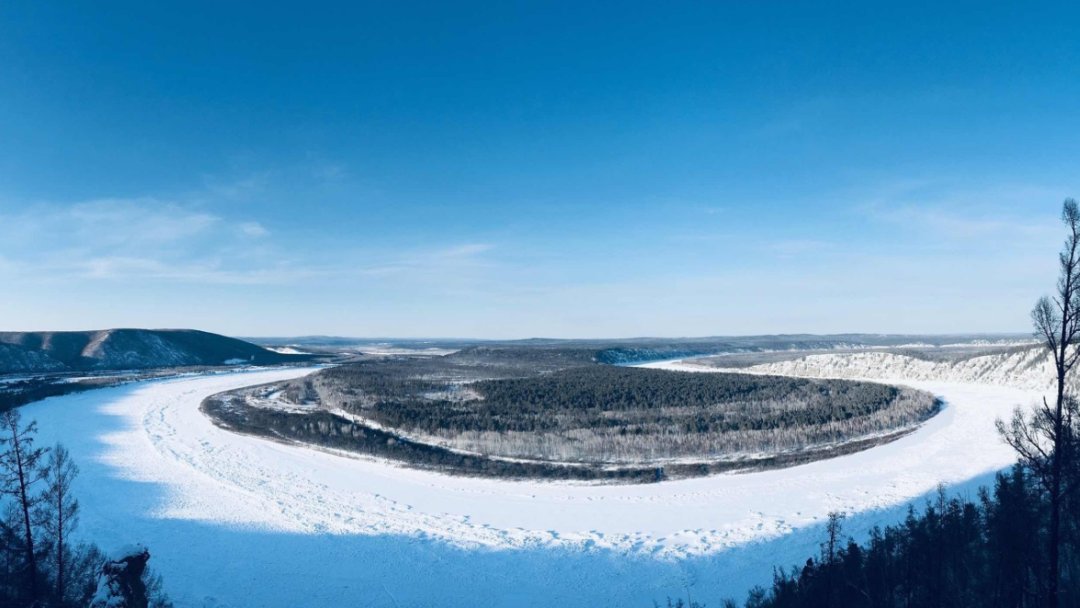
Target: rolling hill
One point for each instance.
(115, 349)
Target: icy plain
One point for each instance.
(233, 520)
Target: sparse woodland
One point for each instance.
(40, 564)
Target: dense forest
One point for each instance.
(317, 427)
(612, 414)
(989, 552)
(553, 412)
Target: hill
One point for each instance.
(116, 349)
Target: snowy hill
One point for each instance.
(112, 349)
(1024, 368)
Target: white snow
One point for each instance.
(233, 520)
(1026, 368)
(287, 350)
(125, 551)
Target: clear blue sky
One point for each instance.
(513, 170)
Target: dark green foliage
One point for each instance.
(606, 396)
(951, 553)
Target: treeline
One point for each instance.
(323, 429)
(20, 392)
(952, 553)
(39, 563)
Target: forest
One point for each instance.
(612, 414)
(554, 412)
(950, 552)
(317, 427)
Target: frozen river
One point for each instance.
(233, 520)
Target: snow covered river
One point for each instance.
(233, 520)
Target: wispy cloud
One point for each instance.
(201, 271)
(958, 212)
(233, 188)
(150, 239)
(467, 250)
(129, 238)
(109, 222)
(253, 229)
(448, 264)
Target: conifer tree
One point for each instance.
(21, 470)
(58, 513)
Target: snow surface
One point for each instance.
(286, 350)
(233, 520)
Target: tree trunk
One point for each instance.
(24, 504)
(60, 546)
(1055, 504)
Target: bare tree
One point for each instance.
(20, 465)
(1045, 441)
(58, 512)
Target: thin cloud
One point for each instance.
(149, 239)
(464, 251)
(448, 263)
(254, 229)
(108, 222)
(146, 237)
(957, 213)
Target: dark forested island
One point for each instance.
(557, 412)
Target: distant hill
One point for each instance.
(116, 349)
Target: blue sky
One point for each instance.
(516, 169)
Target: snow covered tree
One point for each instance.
(120, 582)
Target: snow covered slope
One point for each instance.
(1025, 368)
(239, 521)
